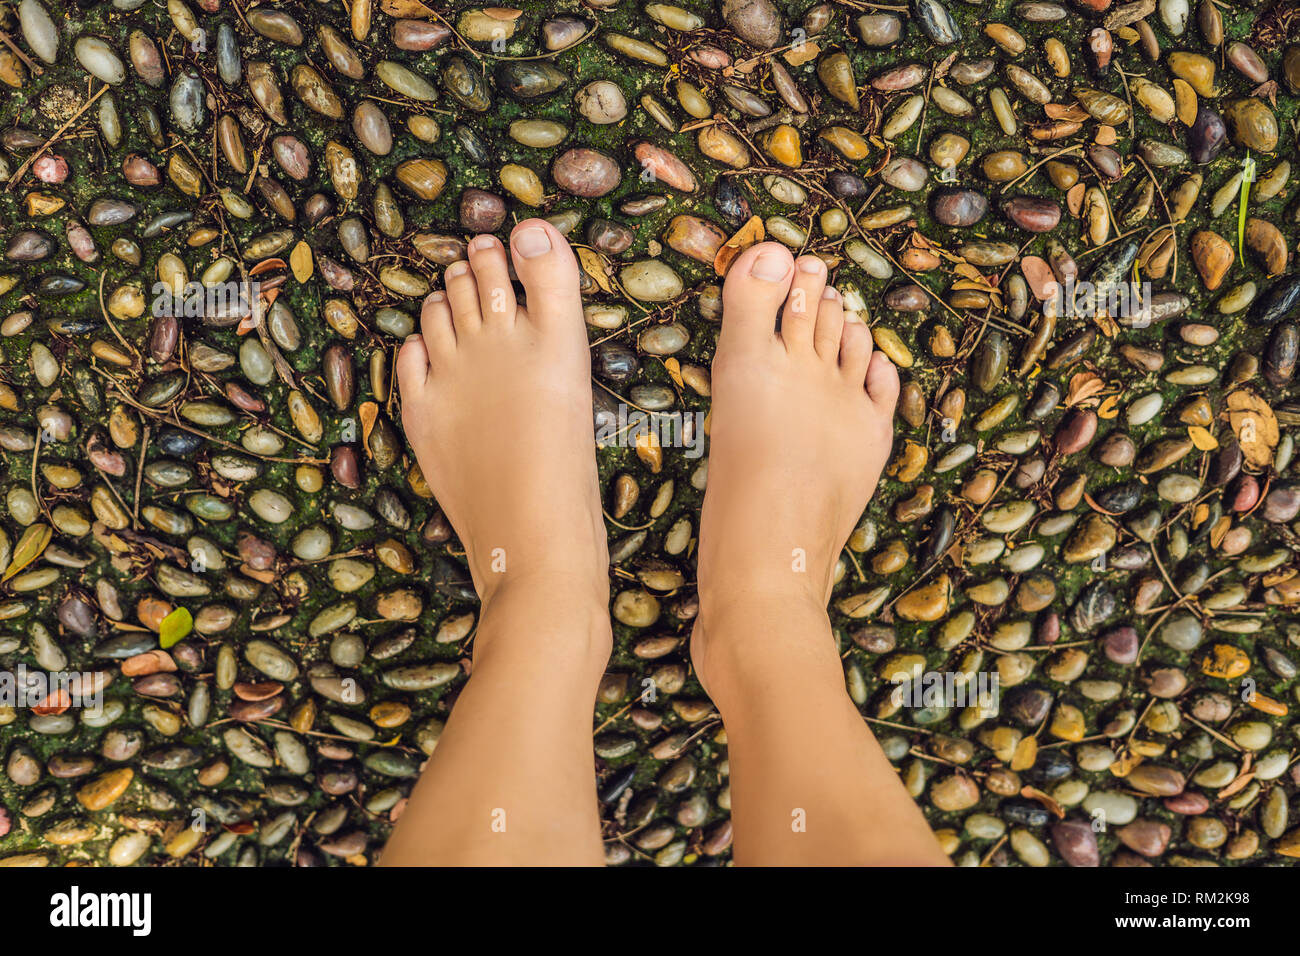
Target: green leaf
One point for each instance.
(1247, 177)
(175, 626)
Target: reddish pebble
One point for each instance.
(1247, 494)
(50, 168)
(1076, 842)
(1189, 804)
(1076, 431)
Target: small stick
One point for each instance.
(13, 180)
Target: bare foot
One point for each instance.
(801, 429)
(496, 402)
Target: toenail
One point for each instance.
(770, 267)
(810, 264)
(830, 293)
(459, 267)
(532, 242)
(483, 242)
(434, 297)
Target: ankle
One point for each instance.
(559, 618)
(756, 642)
(726, 597)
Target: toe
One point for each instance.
(435, 324)
(496, 296)
(882, 382)
(756, 285)
(462, 296)
(546, 267)
(855, 351)
(412, 370)
(799, 316)
(830, 325)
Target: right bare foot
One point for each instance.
(801, 429)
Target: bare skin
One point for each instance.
(497, 405)
(801, 430)
(496, 402)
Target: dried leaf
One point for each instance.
(674, 369)
(1255, 426)
(1201, 438)
(1109, 327)
(28, 548)
(1084, 388)
(798, 57)
(1061, 111)
(267, 265)
(1033, 793)
(1109, 407)
(369, 413)
(968, 271)
(1220, 531)
(593, 263)
(749, 234)
(406, 9)
(1243, 780)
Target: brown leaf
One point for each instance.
(1255, 426)
(1084, 388)
(406, 9)
(593, 263)
(369, 412)
(747, 235)
(1062, 111)
(1033, 793)
(1243, 778)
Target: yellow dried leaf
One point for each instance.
(1201, 438)
(1109, 407)
(29, 548)
(674, 368)
(1108, 326)
(406, 9)
(300, 261)
(1220, 531)
(593, 263)
(798, 57)
(751, 233)
(972, 285)
(369, 413)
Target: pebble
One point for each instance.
(1065, 464)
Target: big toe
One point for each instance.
(756, 285)
(547, 270)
